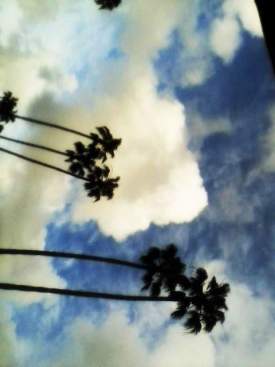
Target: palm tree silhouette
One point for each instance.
(108, 4)
(106, 141)
(8, 104)
(201, 305)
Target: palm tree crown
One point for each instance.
(100, 184)
(7, 108)
(165, 270)
(84, 162)
(108, 4)
(202, 304)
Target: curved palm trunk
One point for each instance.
(81, 293)
(70, 255)
(35, 161)
(50, 124)
(266, 13)
(38, 146)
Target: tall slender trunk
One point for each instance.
(50, 124)
(70, 255)
(81, 293)
(35, 161)
(38, 146)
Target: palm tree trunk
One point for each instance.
(50, 124)
(69, 255)
(35, 161)
(81, 293)
(38, 146)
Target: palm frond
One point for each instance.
(108, 4)
(193, 322)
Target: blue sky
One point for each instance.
(191, 93)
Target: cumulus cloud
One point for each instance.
(206, 31)
(118, 343)
(25, 212)
(225, 37)
(9, 341)
(247, 14)
(160, 180)
(225, 34)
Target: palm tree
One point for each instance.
(201, 305)
(265, 10)
(108, 4)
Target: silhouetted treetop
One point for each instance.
(165, 270)
(201, 304)
(100, 184)
(108, 4)
(8, 105)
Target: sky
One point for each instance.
(188, 87)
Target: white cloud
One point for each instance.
(225, 38)
(160, 180)
(222, 37)
(225, 35)
(12, 349)
(246, 12)
(248, 336)
(117, 343)
(25, 211)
